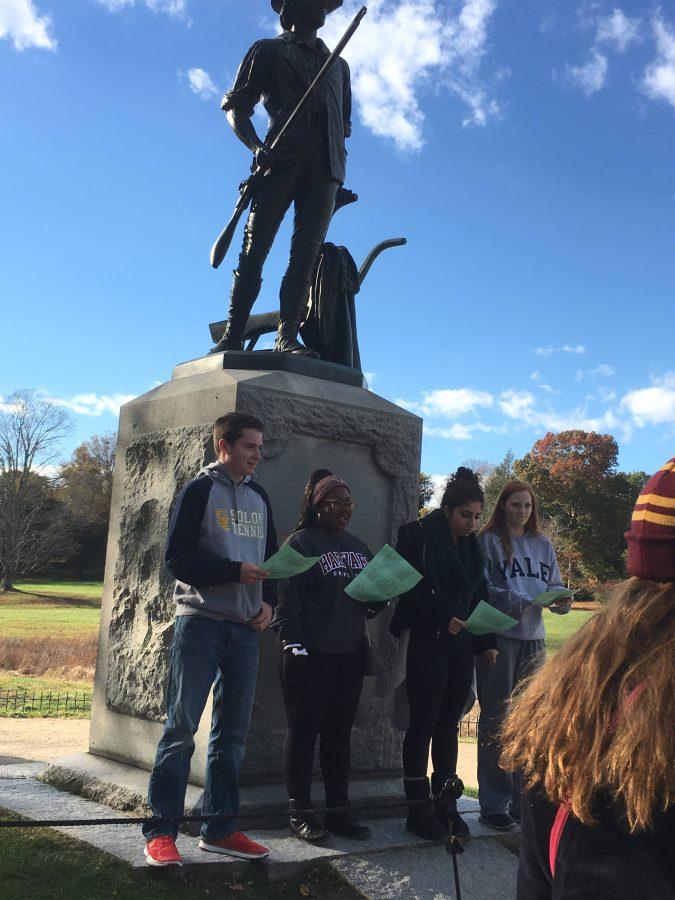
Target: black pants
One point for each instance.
(324, 704)
(307, 184)
(438, 679)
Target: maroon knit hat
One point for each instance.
(651, 539)
(326, 485)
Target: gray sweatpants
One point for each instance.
(516, 660)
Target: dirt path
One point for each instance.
(46, 739)
(42, 739)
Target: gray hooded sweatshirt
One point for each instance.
(215, 526)
(514, 581)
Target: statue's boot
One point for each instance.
(292, 306)
(242, 297)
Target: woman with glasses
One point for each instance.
(321, 629)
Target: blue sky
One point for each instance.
(525, 149)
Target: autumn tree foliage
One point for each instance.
(85, 486)
(574, 474)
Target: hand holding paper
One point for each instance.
(385, 576)
(548, 597)
(485, 619)
(287, 562)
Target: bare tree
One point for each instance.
(31, 431)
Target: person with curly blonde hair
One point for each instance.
(593, 734)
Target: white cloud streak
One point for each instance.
(659, 77)
(94, 404)
(590, 77)
(578, 349)
(175, 8)
(449, 403)
(653, 405)
(613, 33)
(201, 83)
(24, 26)
(406, 48)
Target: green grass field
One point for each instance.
(48, 619)
(559, 628)
(92, 590)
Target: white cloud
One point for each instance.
(450, 402)
(659, 77)
(535, 376)
(615, 33)
(456, 432)
(566, 348)
(653, 405)
(174, 8)
(548, 389)
(405, 48)
(201, 83)
(515, 404)
(604, 370)
(590, 77)
(618, 30)
(94, 404)
(21, 23)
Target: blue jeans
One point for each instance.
(203, 651)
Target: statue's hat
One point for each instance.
(331, 5)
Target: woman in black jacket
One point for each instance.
(440, 658)
(321, 629)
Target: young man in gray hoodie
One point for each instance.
(221, 531)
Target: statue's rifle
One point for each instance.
(247, 188)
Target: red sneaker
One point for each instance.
(162, 851)
(236, 844)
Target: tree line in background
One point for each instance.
(53, 517)
(584, 502)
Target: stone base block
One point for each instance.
(164, 439)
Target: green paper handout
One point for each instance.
(546, 598)
(485, 619)
(287, 562)
(385, 576)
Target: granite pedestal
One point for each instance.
(311, 421)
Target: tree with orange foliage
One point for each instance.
(574, 476)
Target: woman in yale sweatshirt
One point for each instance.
(520, 564)
(321, 629)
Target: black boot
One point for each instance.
(446, 810)
(344, 822)
(304, 824)
(421, 819)
(242, 297)
(292, 307)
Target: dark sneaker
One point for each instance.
(162, 851)
(305, 826)
(498, 821)
(345, 824)
(235, 844)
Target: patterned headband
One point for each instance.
(326, 485)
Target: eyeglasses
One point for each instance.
(339, 503)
